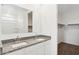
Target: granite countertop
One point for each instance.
(0, 44)
(11, 45)
(0, 47)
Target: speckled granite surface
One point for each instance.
(0, 51)
(0, 44)
(32, 40)
(0, 47)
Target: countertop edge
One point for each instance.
(25, 47)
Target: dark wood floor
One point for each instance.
(67, 49)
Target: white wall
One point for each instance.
(60, 34)
(68, 13)
(72, 16)
(0, 19)
(59, 15)
(49, 24)
(36, 19)
(71, 34)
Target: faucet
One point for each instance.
(17, 38)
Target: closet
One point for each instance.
(60, 33)
(68, 23)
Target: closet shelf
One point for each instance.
(61, 24)
(72, 24)
(68, 24)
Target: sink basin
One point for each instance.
(40, 39)
(19, 44)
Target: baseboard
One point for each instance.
(68, 43)
(60, 42)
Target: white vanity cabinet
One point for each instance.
(47, 48)
(37, 49)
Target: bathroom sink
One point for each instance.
(19, 45)
(40, 39)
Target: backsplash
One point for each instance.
(12, 36)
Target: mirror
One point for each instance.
(30, 22)
(15, 19)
